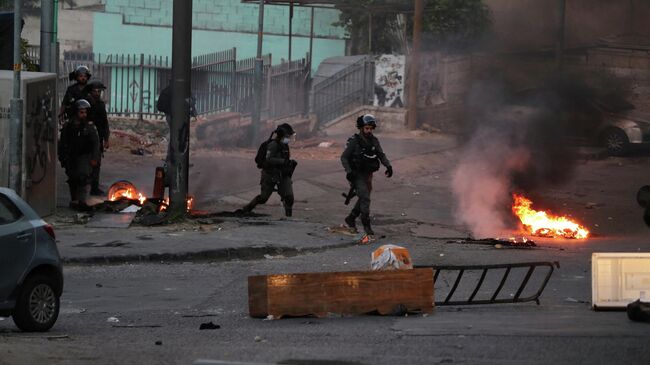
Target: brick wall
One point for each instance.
(229, 15)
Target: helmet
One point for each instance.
(82, 104)
(284, 130)
(94, 85)
(366, 119)
(82, 69)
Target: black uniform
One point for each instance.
(73, 93)
(97, 115)
(361, 159)
(277, 171)
(78, 146)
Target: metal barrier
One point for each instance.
(220, 82)
(484, 269)
(345, 90)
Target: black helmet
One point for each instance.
(284, 130)
(81, 104)
(94, 85)
(82, 69)
(366, 119)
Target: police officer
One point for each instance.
(79, 152)
(277, 170)
(97, 115)
(360, 160)
(74, 92)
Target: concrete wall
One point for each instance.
(75, 30)
(144, 26)
(532, 24)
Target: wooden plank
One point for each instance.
(354, 292)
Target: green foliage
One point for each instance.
(28, 62)
(457, 24)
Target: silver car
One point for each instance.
(31, 278)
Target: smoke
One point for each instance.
(515, 144)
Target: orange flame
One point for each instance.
(129, 193)
(543, 224)
(165, 204)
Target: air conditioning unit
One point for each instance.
(619, 278)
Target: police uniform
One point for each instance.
(360, 159)
(73, 93)
(277, 170)
(97, 115)
(78, 146)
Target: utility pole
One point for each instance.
(16, 106)
(559, 44)
(414, 65)
(47, 27)
(290, 27)
(259, 64)
(180, 123)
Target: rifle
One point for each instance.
(350, 195)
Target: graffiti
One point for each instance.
(389, 80)
(42, 132)
(135, 87)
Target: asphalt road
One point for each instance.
(168, 302)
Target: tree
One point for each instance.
(447, 24)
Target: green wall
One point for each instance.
(144, 26)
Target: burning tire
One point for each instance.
(616, 142)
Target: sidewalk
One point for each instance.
(317, 187)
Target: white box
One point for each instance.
(619, 278)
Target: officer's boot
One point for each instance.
(249, 207)
(350, 220)
(365, 220)
(288, 205)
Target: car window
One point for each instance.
(8, 211)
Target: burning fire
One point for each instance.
(128, 193)
(165, 203)
(543, 224)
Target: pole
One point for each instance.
(55, 39)
(369, 32)
(414, 65)
(47, 17)
(16, 115)
(259, 64)
(311, 38)
(559, 45)
(290, 26)
(180, 123)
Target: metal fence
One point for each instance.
(345, 90)
(220, 82)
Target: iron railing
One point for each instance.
(472, 294)
(345, 90)
(220, 82)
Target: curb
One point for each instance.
(220, 255)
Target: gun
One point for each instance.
(350, 195)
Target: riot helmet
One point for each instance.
(80, 70)
(366, 119)
(81, 104)
(94, 85)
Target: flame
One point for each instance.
(543, 224)
(165, 204)
(128, 193)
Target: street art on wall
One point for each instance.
(389, 80)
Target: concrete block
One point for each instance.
(136, 3)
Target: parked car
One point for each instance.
(31, 277)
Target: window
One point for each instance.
(9, 213)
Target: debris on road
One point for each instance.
(391, 257)
(512, 242)
(112, 320)
(353, 292)
(209, 326)
(639, 311)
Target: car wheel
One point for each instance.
(37, 307)
(616, 142)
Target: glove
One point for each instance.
(389, 171)
(350, 176)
